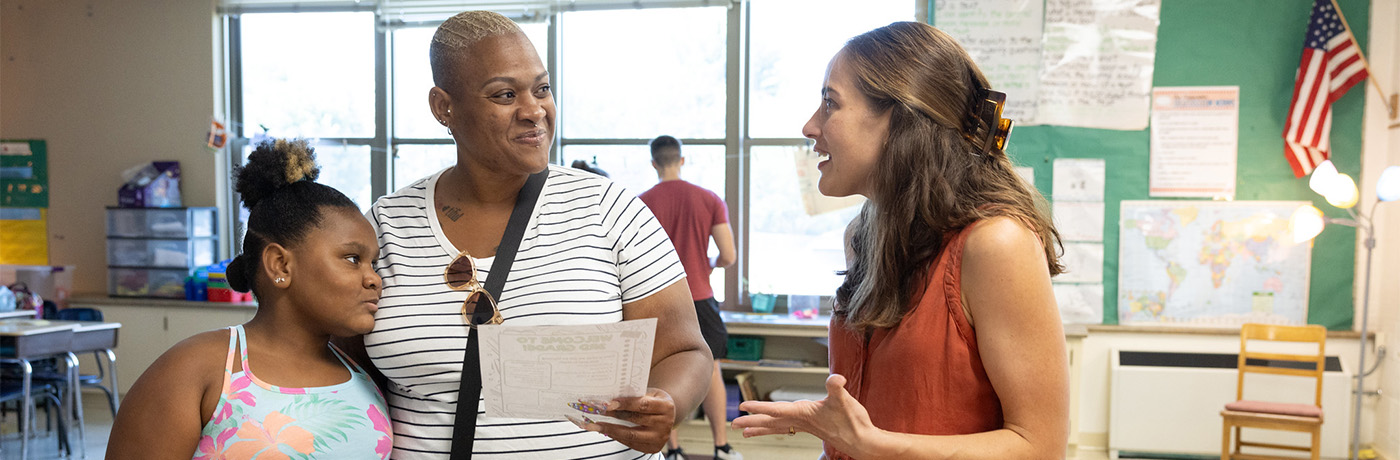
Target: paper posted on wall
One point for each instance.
(557, 372)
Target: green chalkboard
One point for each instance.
(1256, 45)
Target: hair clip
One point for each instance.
(989, 128)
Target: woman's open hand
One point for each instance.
(839, 419)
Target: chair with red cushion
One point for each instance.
(1272, 415)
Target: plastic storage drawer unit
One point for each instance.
(179, 253)
(147, 282)
(161, 222)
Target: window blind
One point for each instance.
(393, 12)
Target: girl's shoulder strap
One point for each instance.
(346, 359)
(234, 332)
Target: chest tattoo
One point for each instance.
(452, 212)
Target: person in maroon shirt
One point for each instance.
(692, 216)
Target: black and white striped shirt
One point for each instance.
(589, 248)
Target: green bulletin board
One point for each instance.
(24, 202)
(24, 175)
(1256, 45)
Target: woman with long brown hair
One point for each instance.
(946, 341)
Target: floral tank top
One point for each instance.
(255, 420)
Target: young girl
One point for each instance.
(308, 258)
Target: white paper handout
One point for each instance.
(15, 149)
(554, 372)
(1078, 179)
(1083, 263)
(1027, 174)
(1195, 141)
(1079, 303)
(1079, 220)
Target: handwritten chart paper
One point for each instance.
(1097, 63)
(1195, 141)
(1003, 37)
(544, 372)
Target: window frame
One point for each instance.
(384, 145)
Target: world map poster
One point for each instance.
(1211, 263)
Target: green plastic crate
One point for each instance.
(745, 347)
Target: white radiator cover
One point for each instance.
(1177, 409)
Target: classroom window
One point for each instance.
(345, 167)
(413, 77)
(790, 45)
(413, 162)
(308, 74)
(621, 77)
(630, 165)
(790, 251)
(661, 70)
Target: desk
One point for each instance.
(98, 337)
(22, 340)
(17, 314)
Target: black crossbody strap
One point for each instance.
(469, 391)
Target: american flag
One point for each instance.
(1331, 65)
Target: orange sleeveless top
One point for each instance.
(923, 376)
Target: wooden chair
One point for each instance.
(1305, 418)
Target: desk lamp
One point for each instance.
(1307, 221)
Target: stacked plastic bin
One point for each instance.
(219, 289)
(150, 251)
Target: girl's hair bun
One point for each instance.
(272, 165)
(237, 273)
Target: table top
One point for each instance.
(86, 326)
(102, 303)
(24, 327)
(733, 317)
(17, 314)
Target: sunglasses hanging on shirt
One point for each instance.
(461, 276)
